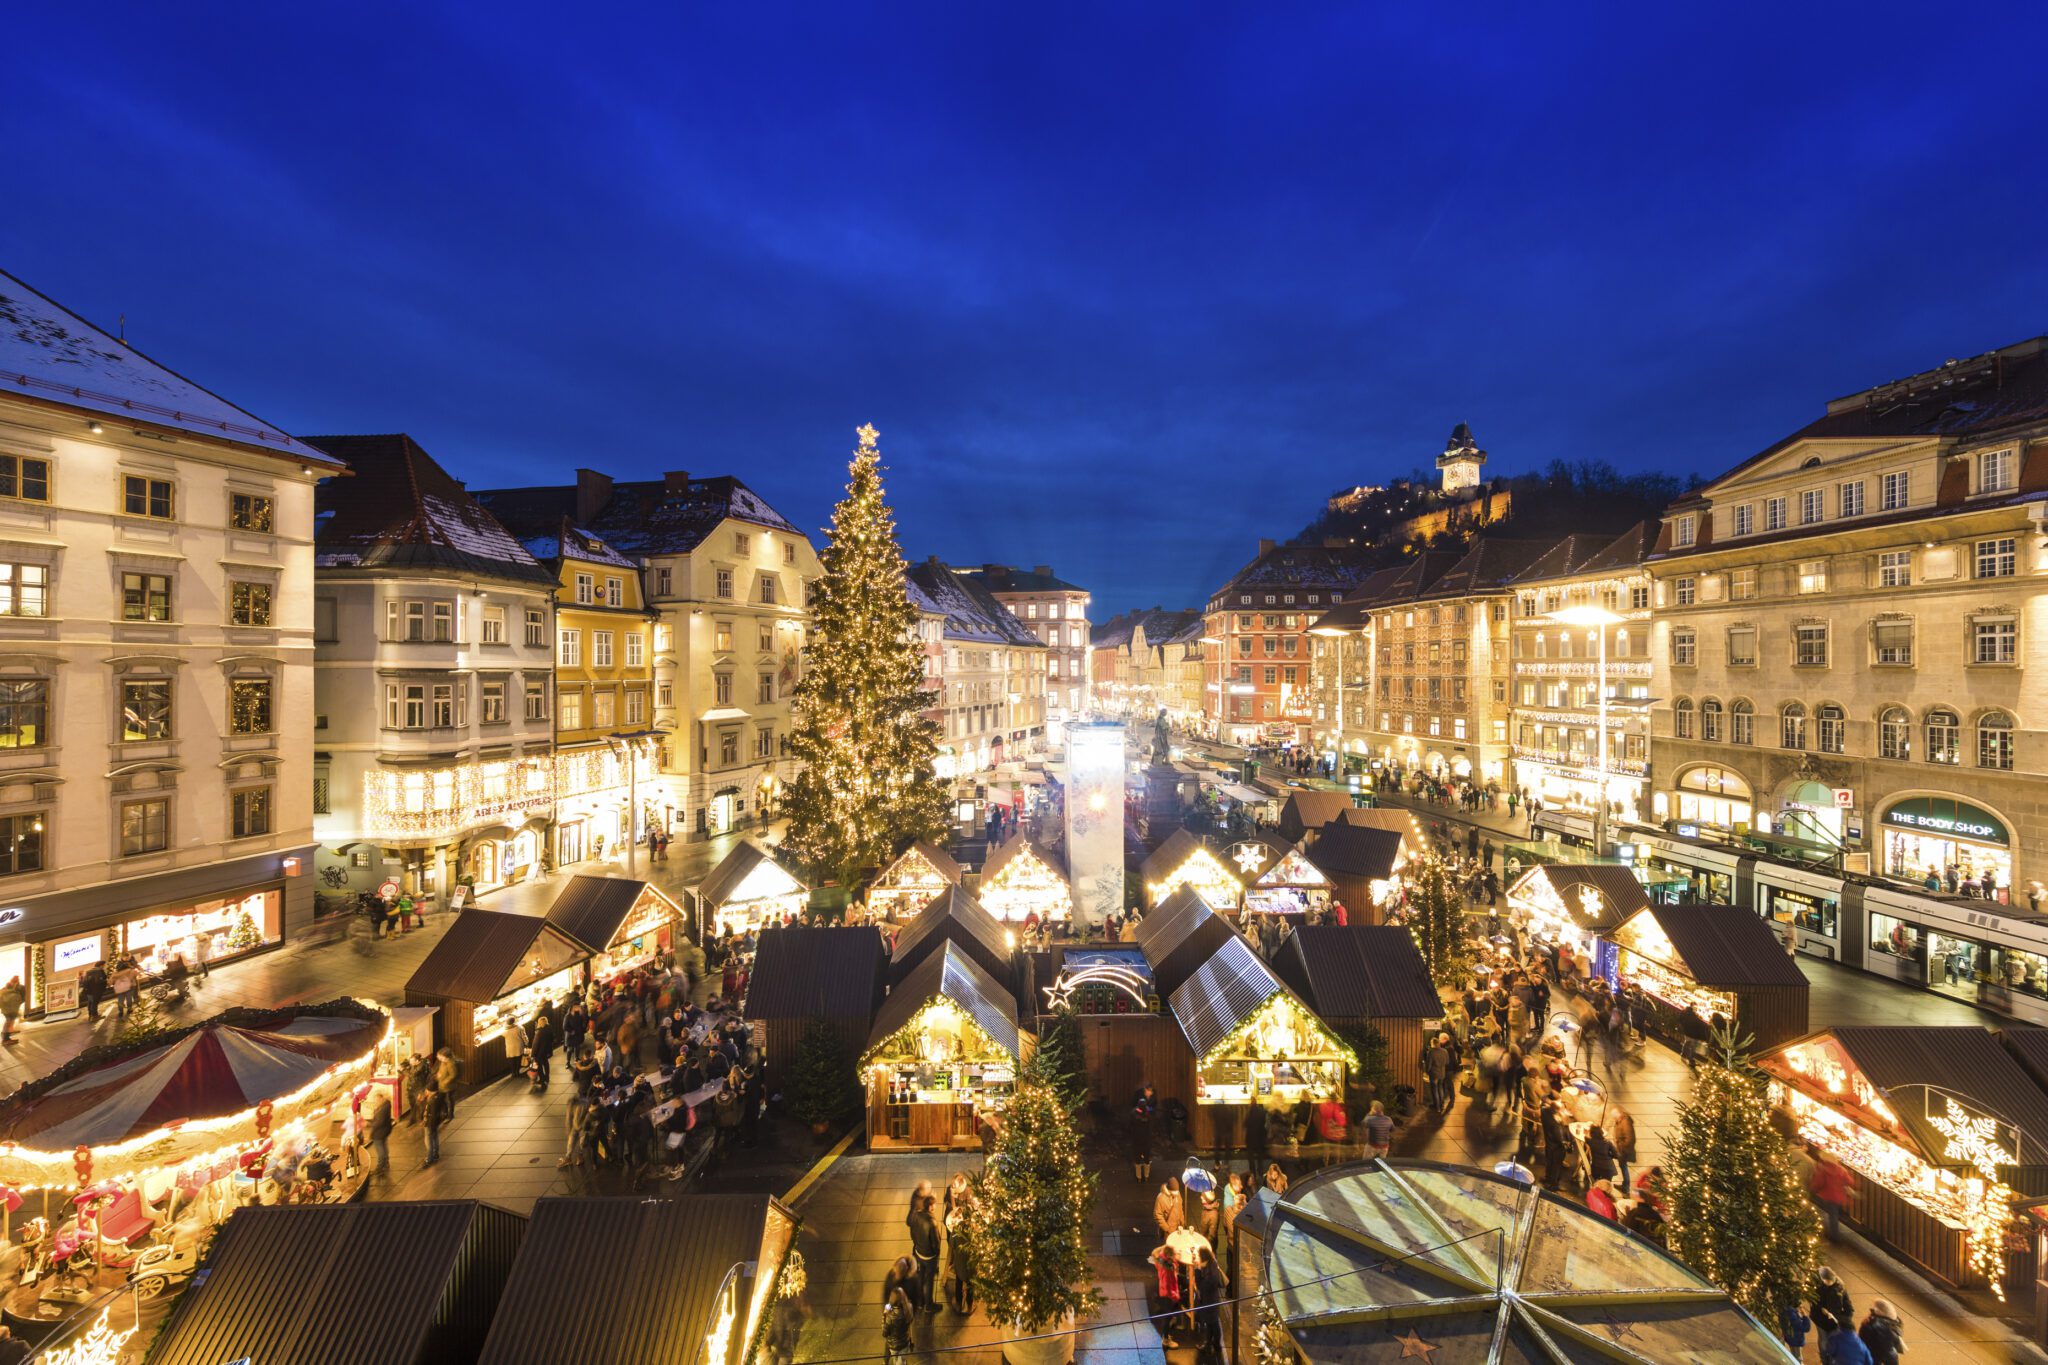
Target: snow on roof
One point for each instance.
(402, 510)
(971, 612)
(577, 543)
(646, 517)
(50, 353)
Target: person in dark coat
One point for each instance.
(1554, 1138)
(92, 989)
(542, 1045)
(1883, 1333)
(924, 1247)
(1831, 1307)
(1140, 1139)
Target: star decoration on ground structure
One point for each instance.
(1249, 857)
(1413, 1347)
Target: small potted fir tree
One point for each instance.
(822, 1087)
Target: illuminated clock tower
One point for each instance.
(1460, 461)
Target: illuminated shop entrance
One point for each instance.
(1939, 842)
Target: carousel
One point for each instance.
(909, 883)
(1022, 881)
(748, 891)
(115, 1168)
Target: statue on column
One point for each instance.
(1162, 739)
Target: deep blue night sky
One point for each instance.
(1122, 292)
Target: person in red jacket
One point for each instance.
(1830, 1188)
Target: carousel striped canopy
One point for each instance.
(211, 1072)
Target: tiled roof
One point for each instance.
(650, 517)
(403, 511)
(1303, 566)
(49, 353)
(970, 611)
(1625, 552)
(1006, 578)
(1161, 627)
(1490, 564)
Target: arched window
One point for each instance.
(1681, 719)
(1994, 740)
(1741, 723)
(1710, 720)
(1894, 733)
(1833, 729)
(1792, 726)
(1944, 736)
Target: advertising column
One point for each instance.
(1095, 819)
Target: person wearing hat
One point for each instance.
(1883, 1333)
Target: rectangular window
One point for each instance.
(600, 649)
(665, 694)
(444, 622)
(729, 748)
(569, 711)
(494, 626)
(1997, 558)
(1741, 584)
(1745, 519)
(249, 604)
(1893, 490)
(142, 496)
(24, 479)
(1639, 597)
(1774, 514)
(536, 701)
(1741, 728)
(250, 512)
(615, 592)
(764, 743)
(251, 812)
(1849, 499)
(768, 589)
(492, 702)
(1994, 472)
(636, 707)
(721, 637)
(724, 582)
(764, 692)
(249, 711)
(1995, 641)
(444, 706)
(742, 544)
(636, 649)
(536, 628)
(586, 590)
(1895, 569)
(145, 827)
(415, 621)
(24, 713)
(1272, 676)
(415, 715)
(145, 711)
(145, 597)
(1892, 642)
(602, 704)
(569, 650)
(1683, 530)
(721, 689)
(1684, 649)
(1684, 591)
(767, 638)
(24, 590)
(1810, 508)
(663, 580)
(1813, 575)
(789, 552)
(21, 843)
(1742, 646)
(1810, 645)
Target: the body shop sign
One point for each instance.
(1953, 819)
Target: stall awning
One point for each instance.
(592, 910)
(1724, 947)
(1598, 896)
(487, 953)
(1243, 795)
(952, 975)
(749, 867)
(956, 917)
(1359, 971)
(1223, 993)
(1180, 934)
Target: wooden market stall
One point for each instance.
(1308, 813)
(1715, 959)
(1180, 934)
(1366, 974)
(607, 1281)
(1399, 819)
(1362, 866)
(909, 882)
(943, 1053)
(489, 968)
(1183, 860)
(1020, 880)
(828, 975)
(624, 923)
(957, 918)
(1904, 1107)
(748, 890)
(1256, 1046)
(1282, 881)
(1573, 905)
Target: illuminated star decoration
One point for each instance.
(1249, 857)
(868, 435)
(1413, 1347)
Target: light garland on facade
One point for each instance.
(445, 801)
(1027, 885)
(937, 1016)
(1974, 1141)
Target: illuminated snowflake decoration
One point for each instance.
(1974, 1141)
(1250, 857)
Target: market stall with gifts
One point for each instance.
(748, 890)
(1257, 1047)
(1095, 980)
(489, 970)
(115, 1166)
(1362, 867)
(1282, 882)
(942, 1056)
(1366, 974)
(1940, 1125)
(1572, 905)
(626, 924)
(1022, 881)
(1181, 860)
(910, 881)
(956, 917)
(1714, 959)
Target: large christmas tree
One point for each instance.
(1436, 917)
(1028, 1228)
(1738, 1208)
(867, 784)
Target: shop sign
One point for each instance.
(75, 954)
(11, 915)
(1956, 818)
(1845, 797)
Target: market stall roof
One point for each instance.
(617, 1280)
(1252, 858)
(1184, 861)
(1290, 867)
(749, 868)
(1358, 971)
(1179, 935)
(1006, 853)
(935, 857)
(488, 953)
(1174, 850)
(592, 910)
(1222, 993)
(1722, 946)
(211, 1071)
(957, 977)
(1308, 811)
(821, 973)
(1606, 893)
(1399, 819)
(956, 917)
(371, 1284)
(1387, 1261)
(1902, 1061)
(1344, 850)
(1243, 795)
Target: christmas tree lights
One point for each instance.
(1028, 1224)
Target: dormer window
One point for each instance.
(1684, 530)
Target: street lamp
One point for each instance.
(627, 747)
(1600, 618)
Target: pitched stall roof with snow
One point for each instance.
(402, 510)
(51, 355)
(970, 612)
(645, 517)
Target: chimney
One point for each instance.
(1042, 570)
(676, 481)
(1265, 547)
(593, 491)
